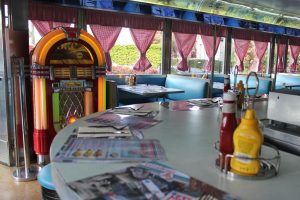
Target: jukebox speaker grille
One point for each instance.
(71, 105)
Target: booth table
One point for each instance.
(149, 90)
(188, 138)
(291, 85)
(220, 86)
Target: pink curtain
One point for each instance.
(43, 27)
(280, 67)
(208, 42)
(241, 48)
(295, 50)
(185, 43)
(143, 39)
(260, 50)
(106, 36)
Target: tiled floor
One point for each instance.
(11, 190)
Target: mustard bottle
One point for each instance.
(241, 94)
(247, 141)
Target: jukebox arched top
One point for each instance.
(68, 39)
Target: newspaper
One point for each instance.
(146, 181)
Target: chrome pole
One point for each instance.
(213, 62)
(252, 98)
(13, 118)
(26, 173)
(235, 73)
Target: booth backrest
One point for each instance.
(265, 84)
(151, 79)
(282, 79)
(194, 88)
(218, 78)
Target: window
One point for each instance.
(250, 61)
(125, 54)
(298, 64)
(197, 59)
(290, 61)
(34, 36)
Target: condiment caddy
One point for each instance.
(240, 147)
(130, 80)
(269, 164)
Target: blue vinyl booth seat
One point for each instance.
(265, 84)
(217, 78)
(126, 98)
(45, 180)
(151, 79)
(220, 79)
(282, 79)
(194, 88)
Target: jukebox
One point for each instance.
(68, 80)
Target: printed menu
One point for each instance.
(78, 149)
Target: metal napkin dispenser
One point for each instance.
(284, 106)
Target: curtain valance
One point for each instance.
(45, 12)
(124, 20)
(246, 34)
(197, 28)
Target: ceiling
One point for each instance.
(284, 13)
(288, 7)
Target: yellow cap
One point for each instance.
(250, 114)
(249, 118)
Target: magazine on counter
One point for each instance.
(78, 149)
(119, 120)
(131, 111)
(146, 181)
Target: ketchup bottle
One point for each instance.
(228, 126)
(226, 83)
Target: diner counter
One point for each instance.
(188, 138)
